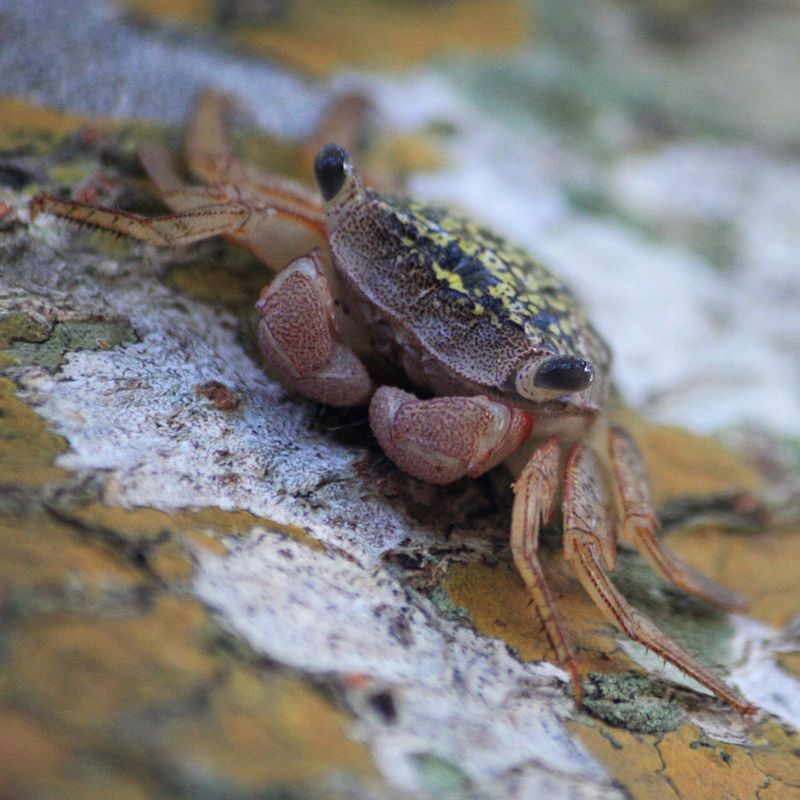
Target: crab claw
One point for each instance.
(445, 438)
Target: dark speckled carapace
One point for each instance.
(456, 306)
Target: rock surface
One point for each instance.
(212, 589)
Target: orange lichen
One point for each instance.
(499, 606)
(27, 448)
(761, 564)
(683, 463)
(685, 764)
(320, 36)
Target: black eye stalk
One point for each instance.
(330, 169)
(564, 374)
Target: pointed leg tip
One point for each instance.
(577, 683)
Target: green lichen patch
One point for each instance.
(631, 701)
(20, 327)
(51, 353)
(446, 607)
(441, 777)
(72, 173)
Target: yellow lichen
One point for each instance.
(19, 120)
(192, 12)
(790, 662)
(172, 563)
(762, 565)
(29, 751)
(682, 463)
(155, 678)
(268, 731)
(27, 448)
(41, 554)
(88, 671)
(152, 524)
(321, 36)
(685, 764)
(324, 36)
(631, 758)
(499, 606)
(777, 754)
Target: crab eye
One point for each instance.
(330, 168)
(564, 374)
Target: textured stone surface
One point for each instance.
(218, 599)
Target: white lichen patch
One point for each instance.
(135, 73)
(457, 696)
(757, 671)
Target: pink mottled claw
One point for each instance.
(445, 438)
(586, 536)
(298, 337)
(535, 495)
(639, 525)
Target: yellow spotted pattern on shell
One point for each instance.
(496, 278)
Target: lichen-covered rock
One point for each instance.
(210, 588)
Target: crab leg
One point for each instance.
(275, 233)
(589, 547)
(639, 525)
(535, 494)
(445, 438)
(210, 158)
(168, 229)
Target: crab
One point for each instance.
(467, 352)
